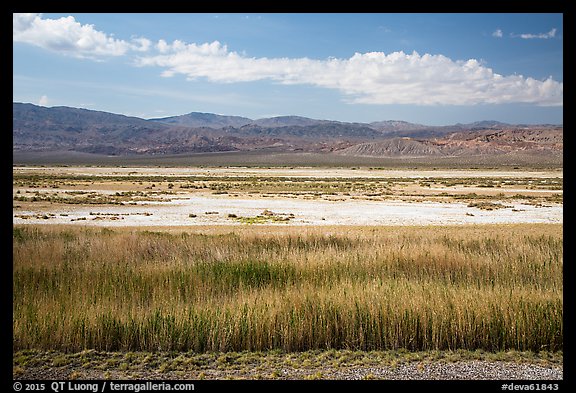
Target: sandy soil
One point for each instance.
(289, 172)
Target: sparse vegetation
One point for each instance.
(368, 188)
(90, 198)
(488, 205)
(265, 217)
(254, 365)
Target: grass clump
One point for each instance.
(267, 216)
(488, 205)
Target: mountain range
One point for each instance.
(42, 129)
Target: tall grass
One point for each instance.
(475, 287)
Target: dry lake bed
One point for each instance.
(155, 196)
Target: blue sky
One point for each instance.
(432, 69)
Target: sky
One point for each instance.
(431, 68)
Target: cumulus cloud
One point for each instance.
(65, 35)
(43, 101)
(370, 78)
(545, 36)
(141, 44)
(497, 33)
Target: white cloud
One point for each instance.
(497, 33)
(141, 44)
(65, 35)
(43, 101)
(545, 36)
(370, 78)
(162, 46)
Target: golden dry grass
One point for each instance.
(231, 289)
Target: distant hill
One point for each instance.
(396, 125)
(395, 147)
(483, 124)
(210, 120)
(286, 121)
(330, 130)
(467, 143)
(41, 129)
(38, 128)
(55, 118)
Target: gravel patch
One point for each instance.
(460, 370)
(473, 370)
